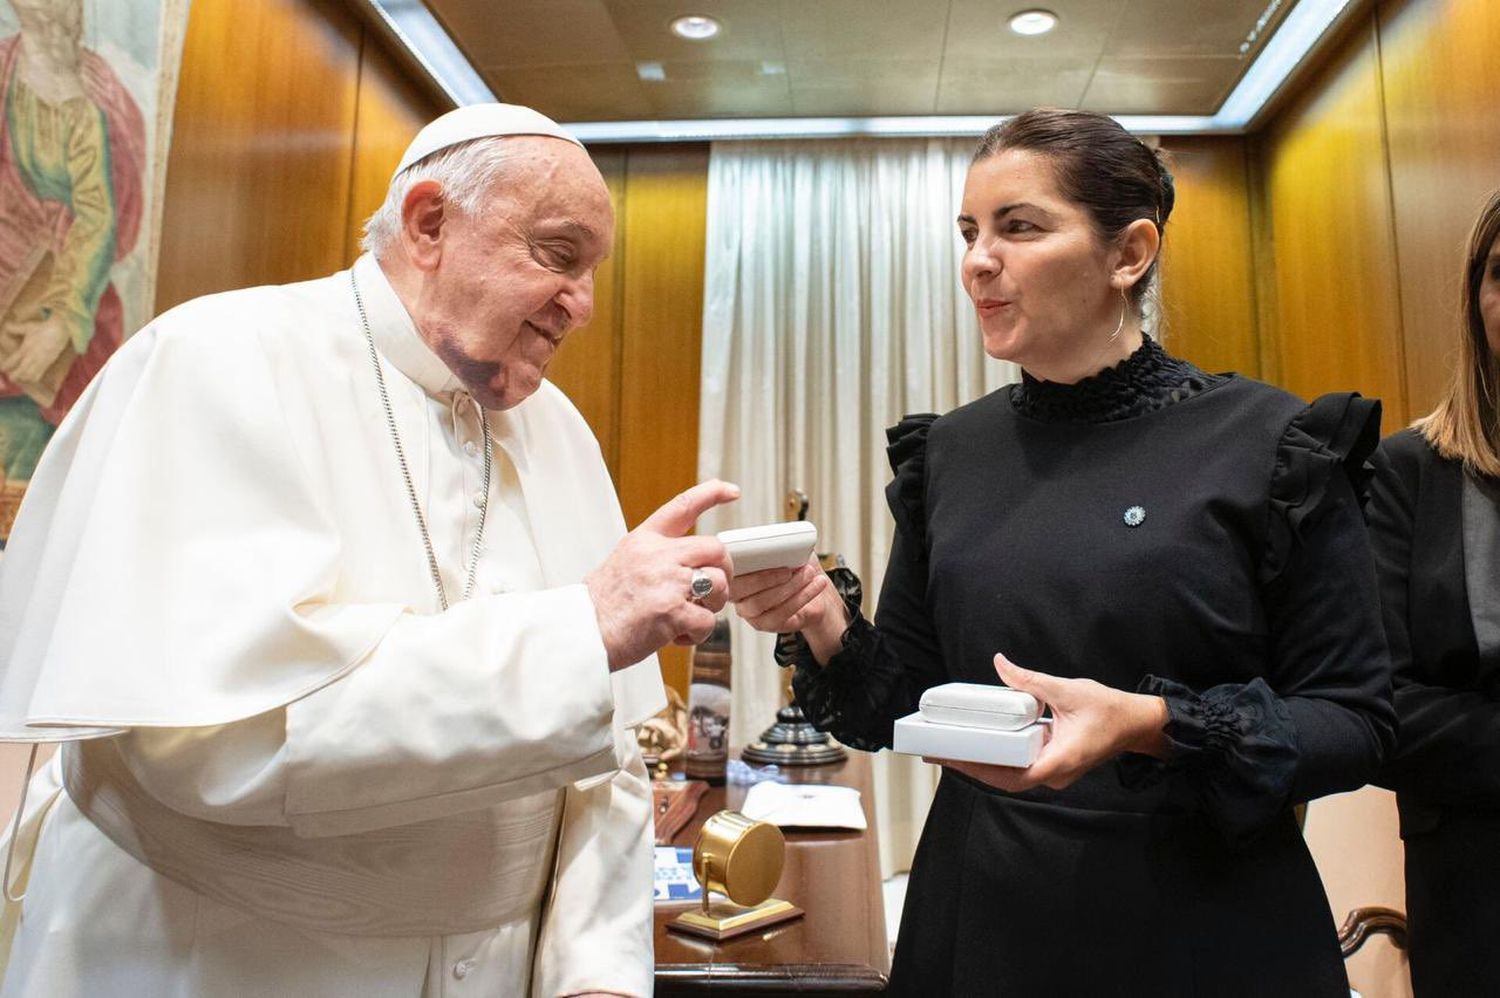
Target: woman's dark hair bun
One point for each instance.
(1168, 188)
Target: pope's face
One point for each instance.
(517, 276)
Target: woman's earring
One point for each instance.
(1124, 307)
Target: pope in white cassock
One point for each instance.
(329, 596)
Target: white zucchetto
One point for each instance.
(479, 121)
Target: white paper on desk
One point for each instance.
(804, 805)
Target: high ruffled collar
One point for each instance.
(1147, 380)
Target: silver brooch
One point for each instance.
(1135, 516)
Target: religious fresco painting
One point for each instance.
(86, 90)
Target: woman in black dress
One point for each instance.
(1177, 558)
(1435, 523)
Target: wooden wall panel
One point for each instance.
(666, 212)
(258, 177)
(1441, 76)
(587, 368)
(1263, 252)
(391, 110)
(1207, 267)
(1328, 214)
(634, 370)
(1368, 184)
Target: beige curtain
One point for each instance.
(832, 306)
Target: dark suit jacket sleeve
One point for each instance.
(1449, 746)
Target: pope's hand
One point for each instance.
(641, 592)
(1091, 724)
(781, 600)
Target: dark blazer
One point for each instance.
(1446, 768)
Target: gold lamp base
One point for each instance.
(725, 920)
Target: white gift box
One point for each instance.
(917, 735)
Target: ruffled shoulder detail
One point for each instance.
(1337, 431)
(906, 446)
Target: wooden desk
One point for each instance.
(838, 947)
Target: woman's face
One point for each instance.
(1489, 298)
(1035, 268)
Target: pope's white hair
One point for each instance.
(466, 172)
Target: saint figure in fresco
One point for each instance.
(72, 157)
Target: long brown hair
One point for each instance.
(1465, 425)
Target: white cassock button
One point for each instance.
(461, 968)
(479, 500)
(471, 448)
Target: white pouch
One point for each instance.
(975, 705)
(773, 545)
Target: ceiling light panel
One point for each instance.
(1033, 22)
(1299, 32)
(970, 126)
(1301, 28)
(695, 27)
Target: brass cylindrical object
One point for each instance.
(739, 857)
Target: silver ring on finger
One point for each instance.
(701, 587)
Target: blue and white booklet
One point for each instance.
(674, 875)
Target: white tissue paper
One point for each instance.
(804, 805)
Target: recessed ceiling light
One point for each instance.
(1306, 25)
(1033, 22)
(695, 27)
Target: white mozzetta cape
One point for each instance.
(217, 558)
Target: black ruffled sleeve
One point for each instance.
(882, 669)
(1331, 439)
(1321, 719)
(906, 447)
(1235, 742)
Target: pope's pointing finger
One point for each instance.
(679, 514)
